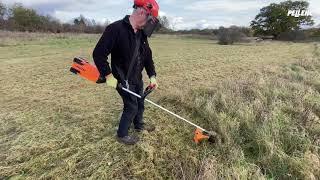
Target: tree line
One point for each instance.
(19, 18)
(272, 20)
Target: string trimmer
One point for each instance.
(88, 71)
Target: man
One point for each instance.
(127, 42)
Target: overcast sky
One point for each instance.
(183, 14)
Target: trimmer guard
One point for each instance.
(199, 136)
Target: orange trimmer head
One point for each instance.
(200, 136)
(86, 70)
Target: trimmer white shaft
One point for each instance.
(137, 95)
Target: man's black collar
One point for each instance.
(127, 22)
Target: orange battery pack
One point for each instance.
(86, 70)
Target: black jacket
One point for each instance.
(119, 40)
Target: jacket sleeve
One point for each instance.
(103, 49)
(148, 63)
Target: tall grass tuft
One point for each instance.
(268, 122)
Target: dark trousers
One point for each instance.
(133, 109)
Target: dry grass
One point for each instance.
(269, 122)
(262, 98)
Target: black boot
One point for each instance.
(146, 127)
(128, 140)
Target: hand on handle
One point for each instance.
(153, 83)
(110, 80)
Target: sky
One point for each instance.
(182, 14)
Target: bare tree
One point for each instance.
(2, 10)
(164, 22)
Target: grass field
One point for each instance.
(263, 99)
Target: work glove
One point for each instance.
(153, 82)
(111, 81)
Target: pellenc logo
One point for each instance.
(299, 13)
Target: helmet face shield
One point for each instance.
(152, 9)
(150, 25)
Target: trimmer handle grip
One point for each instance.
(147, 91)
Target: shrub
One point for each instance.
(230, 35)
(293, 36)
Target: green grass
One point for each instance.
(263, 100)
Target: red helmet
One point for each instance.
(151, 6)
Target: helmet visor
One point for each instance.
(150, 25)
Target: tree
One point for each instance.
(164, 25)
(274, 19)
(164, 22)
(228, 36)
(19, 18)
(25, 19)
(2, 10)
(81, 23)
(50, 24)
(80, 20)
